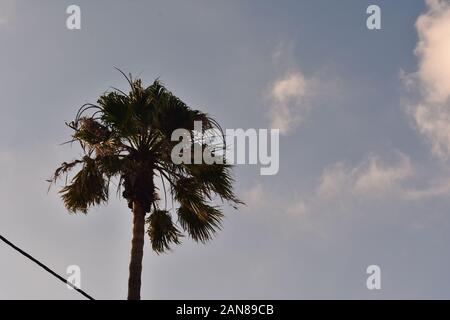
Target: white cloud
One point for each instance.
(433, 121)
(378, 177)
(370, 178)
(436, 189)
(433, 50)
(292, 93)
(375, 178)
(345, 192)
(292, 87)
(288, 101)
(333, 179)
(341, 189)
(432, 113)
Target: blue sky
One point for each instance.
(363, 154)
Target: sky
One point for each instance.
(364, 117)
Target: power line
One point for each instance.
(43, 266)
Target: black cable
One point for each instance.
(44, 267)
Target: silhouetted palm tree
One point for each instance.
(128, 136)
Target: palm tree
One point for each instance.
(128, 137)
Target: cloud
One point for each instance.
(293, 93)
(379, 177)
(345, 193)
(371, 178)
(333, 179)
(255, 196)
(340, 190)
(436, 189)
(374, 178)
(431, 113)
(297, 208)
(290, 88)
(288, 101)
(433, 121)
(433, 50)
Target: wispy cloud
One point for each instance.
(255, 197)
(440, 188)
(294, 93)
(340, 184)
(288, 101)
(371, 178)
(375, 178)
(289, 94)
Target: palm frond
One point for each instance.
(200, 222)
(64, 169)
(87, 188)
(215, 178)
(162, 231)
(199, 219)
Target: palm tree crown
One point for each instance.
(128, 136)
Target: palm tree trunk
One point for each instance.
(137, 252)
